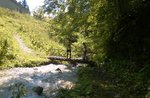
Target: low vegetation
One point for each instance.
(34, 33)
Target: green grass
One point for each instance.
(33, 32)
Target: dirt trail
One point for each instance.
(22, 44)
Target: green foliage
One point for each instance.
(117, 32)
(39, 13)
(17, 90)
(54, 6)
(34, 33)
(5, 51)
(100, 83)
(92, 84)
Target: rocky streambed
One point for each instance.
(36, 82)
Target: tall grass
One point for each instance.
(34, 33)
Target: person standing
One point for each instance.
(69, 49)
(84, 51)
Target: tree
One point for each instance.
(24, 3)
(116, 30)
(54, 6)
(39, 13)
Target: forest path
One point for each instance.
(22, 44)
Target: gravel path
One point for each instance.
(22, 44)
(50, 77)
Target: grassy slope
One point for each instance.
(33, 32)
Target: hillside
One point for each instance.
(19, 31)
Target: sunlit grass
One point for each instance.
(34, 33)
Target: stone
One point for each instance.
(38, 90)
(59, 70)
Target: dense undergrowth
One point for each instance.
(117, 32)
(34, 33)
(101, 83)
